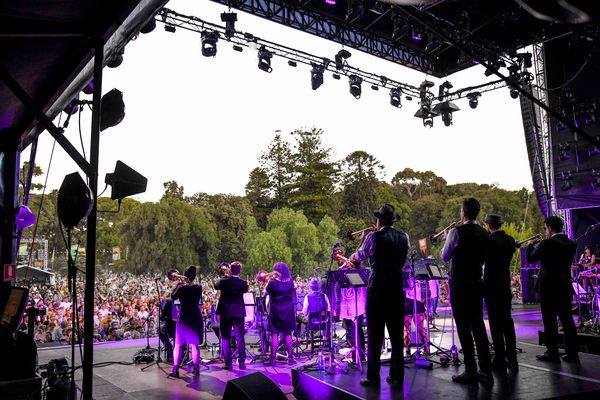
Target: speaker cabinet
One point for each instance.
(255, 386)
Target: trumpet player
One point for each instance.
(498, 296)
(466, 247)
(232, 311)
(282, 311)
(556, 255)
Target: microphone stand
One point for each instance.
(331, 367)
(158, 358)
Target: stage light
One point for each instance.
(116, 59)
(89, 88)
(473, 99)
(316, 76)
(149, 27)
(74, 200)
(446, 109)
(113, 109)
(428, 123)
(264, 59)
(496, 65)
(331, 2)
(24, 218)
(72, 107)
(396, 97)
(336, 76)
(417, 35)
(596, 183)
(375, 87)
(400, 26)
(355, 10)
(125, 182)
(340, 58)
(563, 151)
(514, 93)
(169, 28)
(444, 89)
(594, 150)
(229, 18)
(355, 83)
(426, 113)
(209, 41)
(238, 48)
(292, 63)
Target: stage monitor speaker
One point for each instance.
(253, 387)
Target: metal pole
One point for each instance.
(90, 258)
(9, 196)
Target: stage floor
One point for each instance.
(534, 380)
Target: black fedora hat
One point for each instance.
(494, 219)
(387, 213)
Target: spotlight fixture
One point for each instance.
(375, 87)
(594, 150)
(496, 65)
(446, 109)
(341, 57)
(331, 2)
(428, 122)
(170, 28)
(566, 186)
(336, 76)
(316, 76)
(238, 48)
(116, 59)
(514, 93)
(292, 63)
(355, 10)
(473, 99)
(209, 43)
(566, 176)
(426, 113)
(444, 89)
(229, 18)
(264, 59)
(89, 88)
(149, 27)
(396, 97)
(417, 35)
(355, 86)
(563, 151)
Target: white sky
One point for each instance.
(204, 121)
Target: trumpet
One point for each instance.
(534, 239)
(181, 280)
(225, 270)
(263, 277)
(352, 235)
(436, 238)
(344, 261)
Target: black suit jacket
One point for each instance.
(231, 302)
(501, 248)
(556, 255)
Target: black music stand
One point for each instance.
(355, 279)
(148, 347)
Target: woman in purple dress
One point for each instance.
(282, 311)
(189, 329)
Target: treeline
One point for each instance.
(298, 203)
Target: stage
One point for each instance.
(534, 380)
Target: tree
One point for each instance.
(314, 174)
(257, 193)
(108, 228)
(416, 184)
(425, 216)
(328, 235)
(277, 164)
(265, 249)
(37, 171)
(360, 180)
(173, 190)
(171, 233)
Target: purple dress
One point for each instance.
(189, 329)
(282, 305)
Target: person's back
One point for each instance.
(387, 262)
(469, 255)
(498, 258)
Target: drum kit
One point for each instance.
(587, 295)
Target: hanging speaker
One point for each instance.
(75, 200)
(125, 181)
(113, 109)
(252, 387)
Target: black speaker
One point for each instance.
(125, 181)
(253, 387)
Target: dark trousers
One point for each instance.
(553, 304)
(385, 307)
(349, 324)
(237, 323)
(502, 325)
(467, 307)
(165, 337)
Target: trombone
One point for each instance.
(263, 277)
(534, 238)
(436, 238)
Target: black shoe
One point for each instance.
(573, 359)
(228, 367)
(466, 378)
(242, 366)
(370, 383)
(486, 377)
(394, 382)
(549, 357)
(174, 372)
(196, 369)
(271, 362)
(291, 360)
(499, 366)
(513, 364)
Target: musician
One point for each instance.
(386, 250)
(167, 328)
(410, 316)
(315, 303)
(587, 259)
(554, 286)
(282, 311)
(232, 311)
(498, 295)
(466, 247)
(189, 329)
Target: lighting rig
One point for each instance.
(211, 33)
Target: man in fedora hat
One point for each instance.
(385, 249)
(466, 248)
(498, 296)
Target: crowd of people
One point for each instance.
(125, 305)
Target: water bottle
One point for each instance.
(321, 361)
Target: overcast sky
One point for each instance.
(204, 121)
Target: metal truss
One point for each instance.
(290, 14)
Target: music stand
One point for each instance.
(354, 279)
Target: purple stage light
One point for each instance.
(475, 62)
(330, 2)
(417, 37)
(24, 218)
